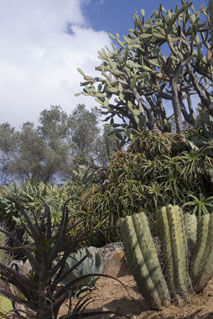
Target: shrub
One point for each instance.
(40, 291)
(156, 169)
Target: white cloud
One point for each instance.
(38, 59)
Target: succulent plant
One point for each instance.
(40, 290)
(91, 263)
(168, 275)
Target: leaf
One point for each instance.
(145, 36)
(121, 43)
(113, 90)
(77, 94)
(136, 112)
(143, 12)
(121, 96)
(98, 94)
(159, 36)
(146, 68)
(154, 63)
(106, 103)
(141, 107)
(80, 71)
(133, 64)
(130, 105)
(111, 36)
(133, 82)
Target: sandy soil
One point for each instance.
(110, 295)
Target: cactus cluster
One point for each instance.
(182, 265)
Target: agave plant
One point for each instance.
(92, 264)
(40, 291)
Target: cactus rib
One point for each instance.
(167, 279)
(203, 270)
(150, 255)
(144, 263)
(190, 221)
(203, 227)
(175, 248)
(137, 264)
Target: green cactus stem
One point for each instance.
(202, 269)
(174, 244)
(190, 221)
(143, 260)
(164, 275)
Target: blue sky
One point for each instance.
(39, 59)
(117, 15)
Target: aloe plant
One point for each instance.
(169, 274)
(40, 291)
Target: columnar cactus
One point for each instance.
(143, 260)
(167, 274)
(174, 247)
(202, 265)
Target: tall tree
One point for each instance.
(55, 148)
(165, 58)
(88, 140)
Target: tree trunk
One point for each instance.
(211, 20)
(176, 106)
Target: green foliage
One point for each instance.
(162, 267)
(4, 256)
(47, 152)
(91, 264)
(40, 290)
(143, 260)
(136, 76)
(5, 307)
(31, 196)
(155, 169)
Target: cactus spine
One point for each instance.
(169, 278)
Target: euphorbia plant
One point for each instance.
(41, 291)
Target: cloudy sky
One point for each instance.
(42, 42)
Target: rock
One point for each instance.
(113, 258)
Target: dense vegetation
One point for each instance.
(49, 152)
(156, 168)
(167, 57)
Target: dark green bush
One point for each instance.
(157, 169)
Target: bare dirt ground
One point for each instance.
(110, 295)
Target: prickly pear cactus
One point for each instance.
(182, 265)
